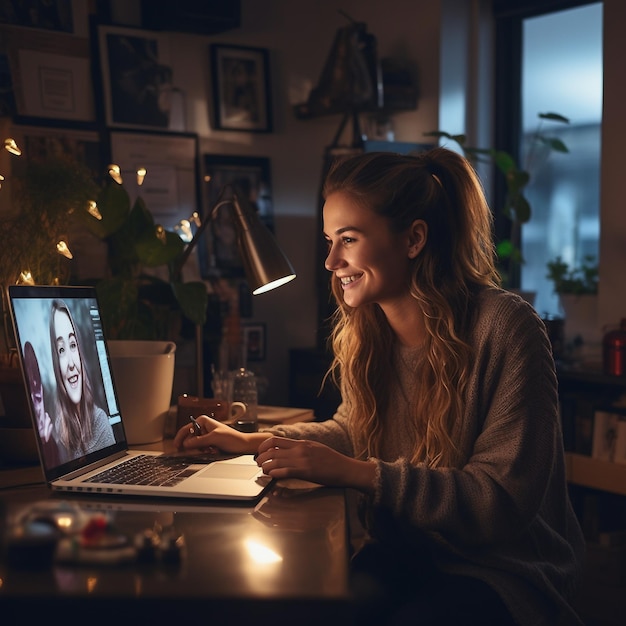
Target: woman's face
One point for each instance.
(371, 262)
(69, 356)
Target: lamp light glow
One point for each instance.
(141, 174)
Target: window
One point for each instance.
(551, 61)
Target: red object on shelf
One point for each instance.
(614, 350)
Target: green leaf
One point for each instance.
(522, 209)
(193, 299)
(505, 249)
(114, 206)
(554, 117)
(504, 161)
(153, 252)
(440, 134)
(554, 143)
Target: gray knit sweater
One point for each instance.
(504, 516)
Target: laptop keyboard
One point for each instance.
(146, 470)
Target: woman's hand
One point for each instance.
(44, 425)
(215, 437)
(280, 457)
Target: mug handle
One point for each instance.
(237, 410)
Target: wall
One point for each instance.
(299, 37)
(612, 291)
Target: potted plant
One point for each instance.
(144, 288)
(516, 206)
(577, 288)
(36, 218)
(578, 280)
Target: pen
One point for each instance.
(196, 429)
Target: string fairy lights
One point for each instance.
(184, 229)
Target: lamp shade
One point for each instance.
(265, 264)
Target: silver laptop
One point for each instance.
(76, 416)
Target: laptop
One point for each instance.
(74, 377)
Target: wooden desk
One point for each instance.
(218, 581)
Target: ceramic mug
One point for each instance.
(222, 411)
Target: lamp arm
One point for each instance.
(194, 241)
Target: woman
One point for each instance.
(45, 427)
(449, 426)
(82, 426)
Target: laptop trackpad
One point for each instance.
(229, 470)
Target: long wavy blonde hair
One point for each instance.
(440, 187)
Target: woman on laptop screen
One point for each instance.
(82, 426)
(449, 425)
(45, 426)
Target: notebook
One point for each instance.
(60, 341)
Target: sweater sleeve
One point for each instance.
(102, 431)
(333, 432)
(510, 438)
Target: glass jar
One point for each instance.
(245, 390)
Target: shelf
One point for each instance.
(587, 472)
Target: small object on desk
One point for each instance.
(172, 548)
(146, 544)
(284, 415)
(31, 545)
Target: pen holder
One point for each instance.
(193, 406)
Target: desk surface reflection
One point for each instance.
(285, 558)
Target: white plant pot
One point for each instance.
(581, 318)
(143, 373)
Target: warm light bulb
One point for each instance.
(195, 218)
(63, 248)
(141, 174)
(115, 173)
(92, 209)
(160, 233)
(26, 278)
(185, 230)
(1, 179)
(12, 147)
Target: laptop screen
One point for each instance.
(68, 376)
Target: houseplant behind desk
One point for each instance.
(577, 288)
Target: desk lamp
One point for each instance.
(265, 265)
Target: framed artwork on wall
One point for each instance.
(219, 252)
(170, 186)
(254, 340)
(138, 81)
(49, 76)
(241, 88)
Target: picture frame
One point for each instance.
(241, 88)
(255, 341)
(170, 188)
(50, 77)
(218, 249)
(138, 82)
